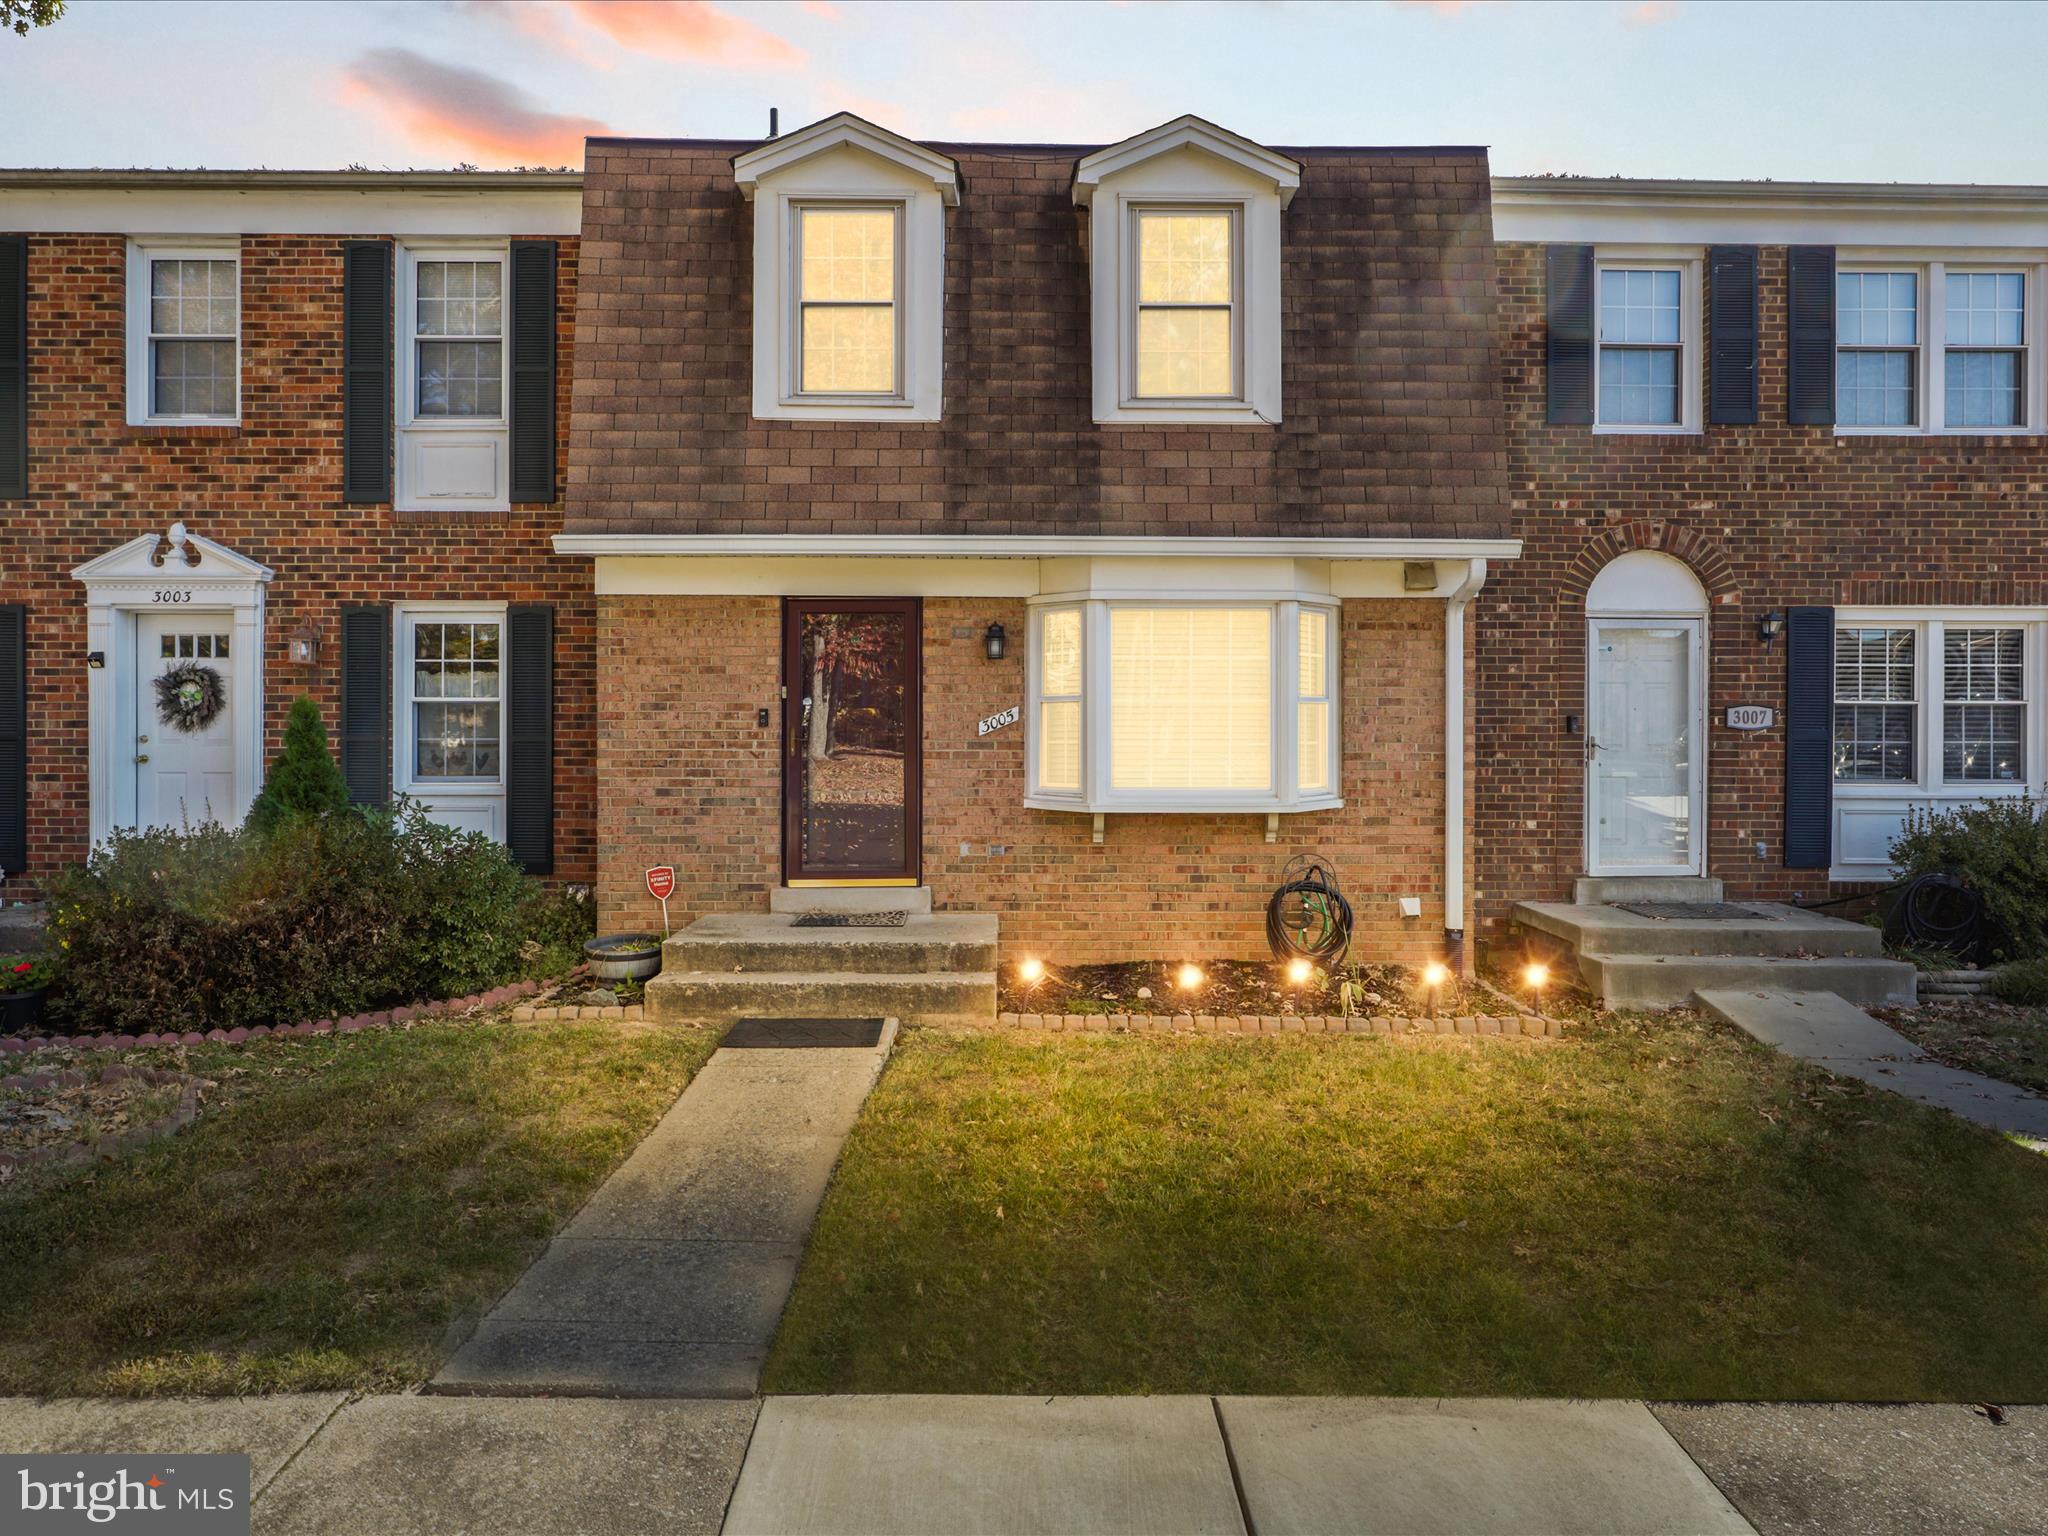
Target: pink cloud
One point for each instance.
(464, 111)
(542, 20)
(824, 10)
(688, 29)
(1650, 13)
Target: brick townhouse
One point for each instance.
(288, 433)
(1777, 454)
(1069, 534)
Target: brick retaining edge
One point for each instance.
(495, 997)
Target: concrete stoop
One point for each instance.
(1632, 961)
(938, 968)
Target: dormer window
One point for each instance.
(1184, 275)
(849, 273)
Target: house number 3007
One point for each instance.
(171, 595)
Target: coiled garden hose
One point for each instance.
(1308, 918)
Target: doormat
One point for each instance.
(850, 919)
(802, 1034)
(1696, 911)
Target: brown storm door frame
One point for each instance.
(909, 871)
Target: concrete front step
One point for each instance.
(752, 941)
(1670, 981)
(1779, 930)
(930, 997)
(1593, 889)
(791, 899)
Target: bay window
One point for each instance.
(1171, 705)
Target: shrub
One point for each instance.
(322, 915)
(2024, 982)
(304, 780)
(2000, 849)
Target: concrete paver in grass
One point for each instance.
(978, 1466)
(1465, 1467)
(268, 1430)
(1872, 1469)
(1824, 1029)
(671, 1281)
(443, 1466)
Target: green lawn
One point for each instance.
(2009, 1043)
(1655, 1207)
(340, 1206)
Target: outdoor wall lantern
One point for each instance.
(993, 641)
(1770, 626)
(95, 660)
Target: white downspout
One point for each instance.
(1459, 599)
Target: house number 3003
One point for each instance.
(171, 595)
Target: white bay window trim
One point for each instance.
(1932, 345)
(450, 463)
(1097, 790)
(142, 337)
(1868, 813)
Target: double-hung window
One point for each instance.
(1876, 704)
(184, 327)
(1984, 343)
(848, 299)
(1642, 347)
(1936, 347)
(1877, 340)
(1186, 311)
(1984, 705)
(454, 432)
(1184, 705)
(448, 739)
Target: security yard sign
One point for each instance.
(661, 884)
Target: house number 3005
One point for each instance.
(171, 595)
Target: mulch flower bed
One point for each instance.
(1229, 988)
(70, 1115)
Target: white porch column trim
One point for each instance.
(193, 574)
(1454, 760)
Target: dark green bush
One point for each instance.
(304, 781)
(2024, 982)
(2000, 848)
(322, 915)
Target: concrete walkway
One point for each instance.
(435, 1466)
(670, 1282)
(1821, 1028)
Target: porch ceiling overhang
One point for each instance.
(1031, 546)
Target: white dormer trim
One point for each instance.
(846, 160)
(1188, 132)
(839, 130)
(1187, 164)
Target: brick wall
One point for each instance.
(1767, 516)
(1391, 426)
(269, 489)
(687, 778)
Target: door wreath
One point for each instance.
(189, 697)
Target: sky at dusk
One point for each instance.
(1713, 88)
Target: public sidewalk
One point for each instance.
(1271, 1466)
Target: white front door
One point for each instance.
(1645, 747)
(183, 778)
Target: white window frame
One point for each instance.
(1888, 801)
(413, 431)
(141, 378)
(1689, 262)
(793, 394)
(1130, 306)
(444, 795)
(1930, 380)
(1282, 794)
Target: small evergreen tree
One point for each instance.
(304, 780)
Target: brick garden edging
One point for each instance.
(1524, 1026)
(527, 1013)
(495, 997)
(116, 1142)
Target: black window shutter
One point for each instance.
(533, 370)
(366, 371)
(1568, 347)
(13, 366)
(1809, 737)
(530, 736)
(13, 738)
(1731, 335)
(366, 702)
(1810, 336)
